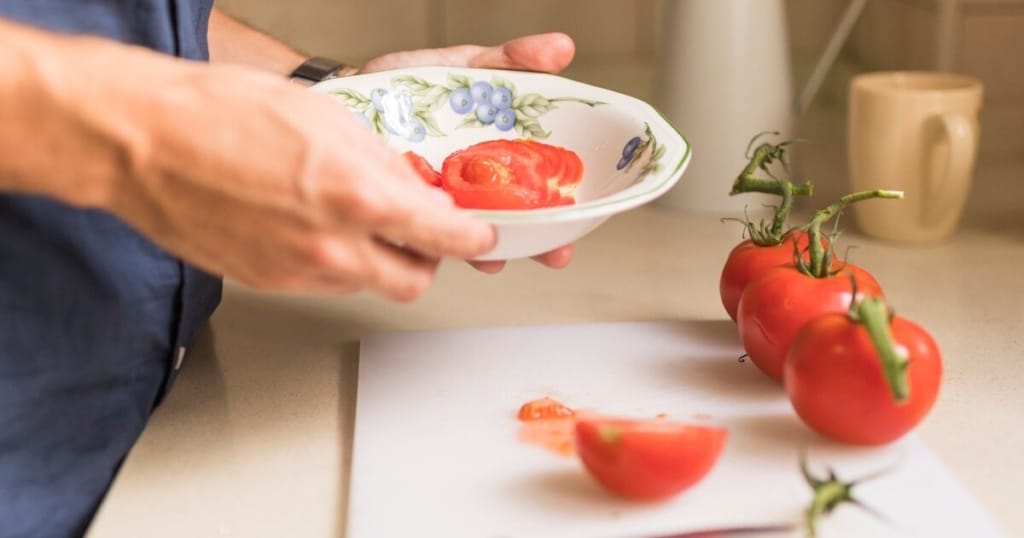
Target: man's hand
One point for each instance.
(549, 53)
(254, 178)
(237, 171)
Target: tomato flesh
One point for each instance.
(544, 408)
(834, 380)
(781, 300)
(549, 424)
(647, 460)
(511, 174)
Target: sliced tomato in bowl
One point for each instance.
(511, 174)
(423, 168)
(647, 460)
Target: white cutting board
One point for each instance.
(435, 449)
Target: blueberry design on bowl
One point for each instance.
(634, 149)
(407, 108)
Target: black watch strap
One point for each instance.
(317, 69)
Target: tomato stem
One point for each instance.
(829, 493)
(873, 314)
(820, 262)
(765, 154)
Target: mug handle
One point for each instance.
(945, 191)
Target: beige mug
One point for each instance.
(917, 132)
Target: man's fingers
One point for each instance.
(556, 259)
(439, 231)
(550, 53)
(398, 274)
(489, 267)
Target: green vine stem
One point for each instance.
(874, 314)
(819, 264)
(830, 492)
(747, 181)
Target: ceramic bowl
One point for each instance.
(630, 153)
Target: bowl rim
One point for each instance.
(646, 189)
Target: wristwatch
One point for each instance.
(318, 69)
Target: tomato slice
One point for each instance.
(544, 408)
(511, 174)
(423, 168)
(564, 171)
(647, 460)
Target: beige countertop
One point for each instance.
(254, 439)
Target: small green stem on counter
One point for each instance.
(830, 492)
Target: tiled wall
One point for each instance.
(617, 40)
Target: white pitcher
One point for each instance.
(725, 75)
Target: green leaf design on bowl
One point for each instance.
(428, 98)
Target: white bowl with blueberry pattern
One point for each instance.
(631, 154)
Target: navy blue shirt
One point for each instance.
(93, 316)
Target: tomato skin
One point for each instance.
(747, 260)
(835, 383)
(647, 460)
(423, 168)
(780, 301)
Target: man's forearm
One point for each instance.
(70, 130)
(234, 42)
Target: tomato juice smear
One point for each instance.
(551, 425)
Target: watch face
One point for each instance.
(318, 68)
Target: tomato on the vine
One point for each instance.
(748, 259)
(780, 301)
(845, 386)
(647, 459)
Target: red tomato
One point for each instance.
(509, 174)
(834, 379)
(647, 459)
(781, 300)
(423, 168)
(747, 260)
(544, 408)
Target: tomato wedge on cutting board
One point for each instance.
(647, 460)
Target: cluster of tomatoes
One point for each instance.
(853, 370)
(505, 174)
